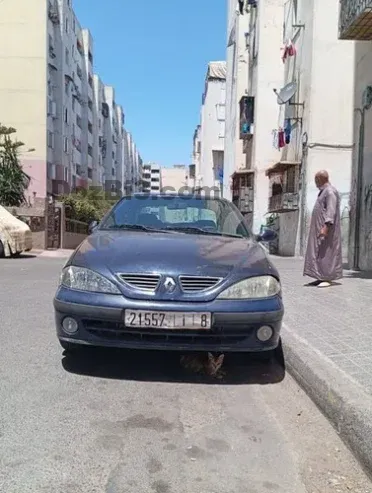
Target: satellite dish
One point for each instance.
(286, 93)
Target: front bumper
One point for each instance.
(100, 319)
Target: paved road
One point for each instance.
(120, 422)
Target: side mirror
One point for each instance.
(92, 226)
(266, 235)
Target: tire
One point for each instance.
(2, 251)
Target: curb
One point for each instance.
(342, 400)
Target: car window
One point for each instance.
(210, 215)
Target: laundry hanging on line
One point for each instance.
(289, 50)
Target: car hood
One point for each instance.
(172, 254)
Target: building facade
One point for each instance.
(283, 116)
(60, 108)
(175, 178)
(151, 178)
(211, 133)
(355, 27)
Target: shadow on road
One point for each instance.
(159, 366)
(22, 256)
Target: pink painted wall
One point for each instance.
(37, 170)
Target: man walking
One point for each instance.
(323, 260)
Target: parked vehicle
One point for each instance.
(15, 235)
(171, 272)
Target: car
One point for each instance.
(15, 235)
(171, 272)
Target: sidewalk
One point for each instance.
(327, 342)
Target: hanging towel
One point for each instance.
(287, 131)
(281, 138)
(275, 140)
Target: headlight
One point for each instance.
(83, 279)
(254, 287)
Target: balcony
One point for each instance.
(284, 178)
(243, 190)
(355, 20)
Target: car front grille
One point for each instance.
(195, 284)
(143, 282)
(114, 331)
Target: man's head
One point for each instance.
(321, 178)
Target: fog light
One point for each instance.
(70, 325)
(264, 333)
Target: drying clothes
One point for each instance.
(287, 131)
(288, 50)
(281, 138)
(275, 139)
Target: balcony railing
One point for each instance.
(284, 202)
(355, 20)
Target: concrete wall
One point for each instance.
(23, 89)
(174, 177)
(212, 130)
(325, 94)
(362, 164)
(265, 74)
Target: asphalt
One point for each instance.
(115, 422)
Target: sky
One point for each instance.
(155, 53)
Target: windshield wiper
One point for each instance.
(200, 231)
(136, 227)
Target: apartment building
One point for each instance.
(196, 151)
(283, 117)
(211, 133)
(61, 109)
(238, 177)
(151, 178)
(355, 27)
(175, 178)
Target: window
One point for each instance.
(90, 150)
(73, 103)
(65, 144)
(113, 171)
(99, 123)
(78, 121)
(66, 25)
(67, 56)
(221, 112)
(90, 56)
(50, 139)
(66, 116)
(90, 104)
(90, 173)
(113, 155)
(90, 128)
(90, 80)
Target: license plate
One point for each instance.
(168, 320)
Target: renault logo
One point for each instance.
(169, 284)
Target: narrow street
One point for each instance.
(130, 422)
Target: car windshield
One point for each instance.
(190, 215)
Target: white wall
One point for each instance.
(212, 130)
(327, 116)
(232, 117)
(265, 74)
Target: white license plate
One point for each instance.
(168, 320)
